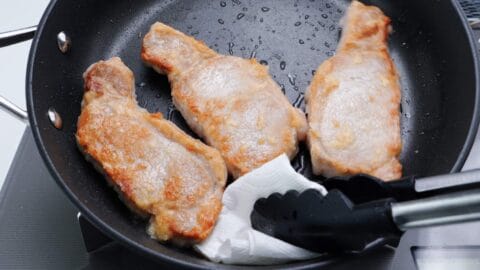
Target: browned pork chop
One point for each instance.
(230, 102)
(157, 169)
(353, 102)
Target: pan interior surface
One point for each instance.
(435, 62)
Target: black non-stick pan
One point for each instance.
(431, 45)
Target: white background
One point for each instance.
(13, 62)
(13, 59)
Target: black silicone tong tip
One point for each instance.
(363, 188)
(325, 224)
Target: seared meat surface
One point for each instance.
(353, 102)
(232, 103)
(158, 170)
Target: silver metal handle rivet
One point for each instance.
(55, 118)
(64, 42)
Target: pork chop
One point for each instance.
(232, 103)
(353, 102)
(157, 169)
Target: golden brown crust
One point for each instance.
(157, 168)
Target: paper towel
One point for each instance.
(233, 240)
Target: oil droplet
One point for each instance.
(283, 88)
(263, 62)
(332, 27)
(253, 54)
(292, 78)
(327, 44)
(298, 102)
(230, 48)
(407, 115)
(301, 41)
(223, 4)
(141, 84)
(265, 9)
(283, 65)
(240, 15)
(327, 5)
(298, 23)
(324, 16)
(307, 16)
(313, 72)
(220, 21)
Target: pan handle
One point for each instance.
(13, 109)
(16, 36)
(6, 39)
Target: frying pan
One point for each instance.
(431, 45)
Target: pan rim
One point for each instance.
(91, 217)
(472, 133)
(114, 234)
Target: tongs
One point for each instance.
(361, 213)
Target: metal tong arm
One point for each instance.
(448, 182)
(438, 210)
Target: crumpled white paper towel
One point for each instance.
(233, 240)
